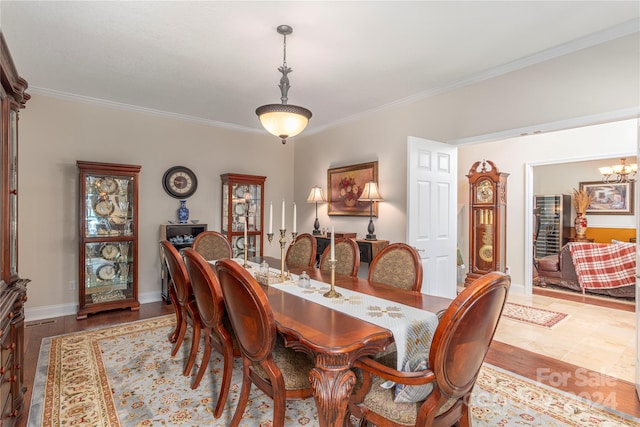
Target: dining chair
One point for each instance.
(215, 326)
(212, 245)
(399, 265)
(302, 251)
(347, 255)
(435, 385)
(279, 372)
(181, 295)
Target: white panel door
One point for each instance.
(431, 212)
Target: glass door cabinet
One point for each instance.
(243, 202)
(13, 288)
(108, 210)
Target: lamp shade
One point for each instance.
(370, 193)
(316, 195)
(283, 120)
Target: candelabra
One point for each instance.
(332, 292)
(283, 244)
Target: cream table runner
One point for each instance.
(412, 328)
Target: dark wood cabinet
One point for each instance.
(181, 236)
(13, 289)
(108, 229)
(368, 248)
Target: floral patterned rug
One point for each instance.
(533, 315)
(124, 376)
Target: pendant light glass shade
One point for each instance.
(283, 120)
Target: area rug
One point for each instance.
(123, 376)
(533, 315)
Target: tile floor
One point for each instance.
(598, 338)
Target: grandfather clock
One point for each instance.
(487, 219)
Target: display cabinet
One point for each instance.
(13, 288)
(108, 255)
(553, 223)
(243, 203)
(181, 236)
(487, 220)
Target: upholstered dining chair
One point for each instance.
(398, 264)
(441, 378)
(217, 332)
(279, 372)
(212, 245)
(347, 255)
(302, 251)
(181, 295)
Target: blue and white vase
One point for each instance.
(183, 212)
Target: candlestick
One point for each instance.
(294, 218)
(332, 292)
(333, 241)
(246, 245)
(270, 217)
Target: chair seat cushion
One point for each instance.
(380, 401)
(295, 367)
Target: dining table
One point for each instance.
(333, 338)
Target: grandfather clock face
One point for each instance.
(484, 191)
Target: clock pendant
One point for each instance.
(180, 182)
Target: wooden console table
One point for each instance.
(368, 248)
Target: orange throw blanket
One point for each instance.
(603, 265)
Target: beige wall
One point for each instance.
(55, 133)
(590, 82)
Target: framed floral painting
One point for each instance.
(345, 185)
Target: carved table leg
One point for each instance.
(331, 390)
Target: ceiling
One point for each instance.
(216, 61)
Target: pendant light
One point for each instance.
(284, 120)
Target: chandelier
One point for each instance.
(619, 173)
(284, 120)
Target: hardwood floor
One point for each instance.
(574, 379)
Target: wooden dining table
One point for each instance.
(335, 339)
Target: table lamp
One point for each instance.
(316, 196)
(371, 194)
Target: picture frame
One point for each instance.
(344, 187)
(610, 198)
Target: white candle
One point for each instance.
(282, 225)
(294, 217)
(270, 217)
(333, 251)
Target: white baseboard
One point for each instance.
(59, 310)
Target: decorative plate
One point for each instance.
(106, 272)
(104, 207)
(240, 209)
(240, 243)
(241, 191)
(109, 251)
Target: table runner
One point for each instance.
(412, 328)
